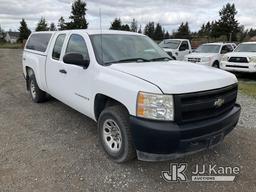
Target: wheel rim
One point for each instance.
(112, 135)
(33, 89)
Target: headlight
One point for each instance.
(225, 58)
(205, 59)
(155, 106)
(252, 59)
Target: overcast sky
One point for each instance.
(170, 13)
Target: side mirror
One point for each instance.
(76, 59)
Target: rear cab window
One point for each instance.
(56, 52)
(38, 42)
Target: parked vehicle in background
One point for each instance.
(209, 54)
(176, 48)
(234, 45)
(145, 103)
(242, 59)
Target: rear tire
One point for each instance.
(36, 93)
(115, 134)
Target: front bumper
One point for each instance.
(158, 140)
(238, 67)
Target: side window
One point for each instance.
(224, 49)
(230, 48)
(76, 44)
(58, 46)
(184, 45)
(39, 41)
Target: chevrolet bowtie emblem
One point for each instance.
(219, 102)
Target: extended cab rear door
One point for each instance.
(55, 69)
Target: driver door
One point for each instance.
(183, 50)
(225, 49)
(78, 79)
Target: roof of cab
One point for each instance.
(216, 43)
(251, 42)
(177, 39)
(95, 32)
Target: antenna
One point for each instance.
(101, 36)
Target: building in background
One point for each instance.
(253, 38)
(12, 37)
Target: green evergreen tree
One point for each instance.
(216, 31)
(125, 27)
(61, 24)
(77, 17)
(183, 31)
(149, 30)
(228, 25)
(2, 34)
(116, 24)
(42, 25)
(158, 33)
(52, 27)
(166, 35)
(134, 26)
(252, 32)
(140, 29)
(24, 30)
(201, 32)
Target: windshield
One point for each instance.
(246, 48)
(170, 44)
(118, 48)
(208, 49)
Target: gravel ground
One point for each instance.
(51, 147)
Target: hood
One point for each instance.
(175, 77)
(241, 54)
(200, 55)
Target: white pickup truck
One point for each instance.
(243, 59)
(209, 54)
(146, 104)
(176, 48)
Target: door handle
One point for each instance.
(63, 71)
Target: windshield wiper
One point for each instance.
(128, 60)
(161, 59)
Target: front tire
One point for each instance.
(115, 134)
(36, 93)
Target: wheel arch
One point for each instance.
(101, 101)
(28, 72)
(216, 62)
